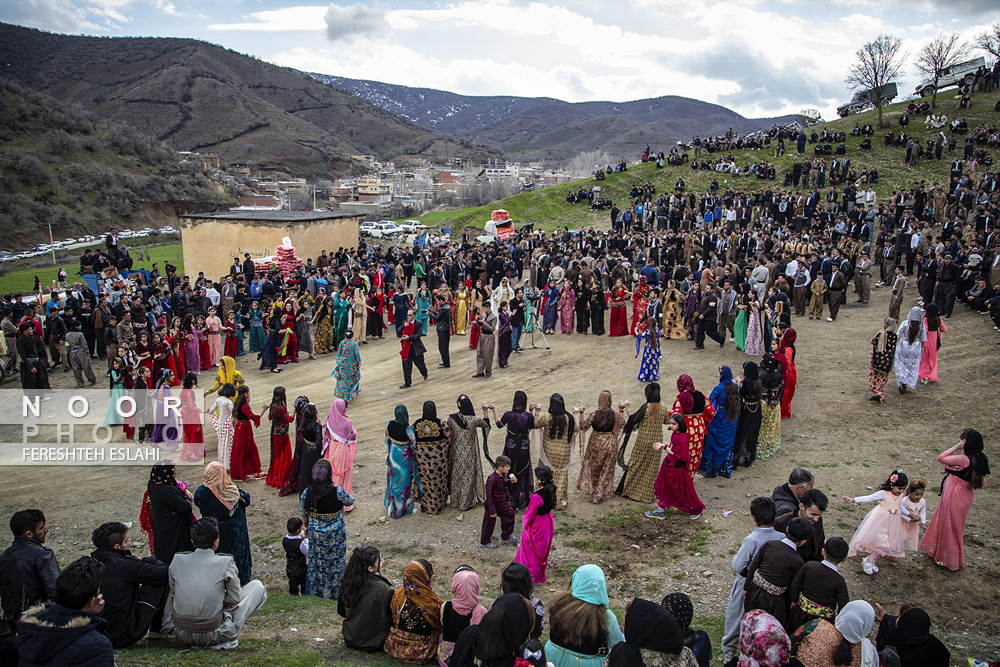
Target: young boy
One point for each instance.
(819, 590)
(762, 510)
(773, 569)
(496, 505)
(296, 548)
(111, 338)
(144, 419)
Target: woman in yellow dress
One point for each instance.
(461, 310)
(673, 317)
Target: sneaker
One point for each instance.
(512, 539)
(829, 319)
(225, 646)
(694, 516)
(659, 513)
(868, 566)
(491, 545)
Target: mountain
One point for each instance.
(542, 128)
(197, 96)
(60, 166)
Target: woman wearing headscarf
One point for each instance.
(582, 629)
(644, 462)
(680, 605)
(640, 301)
(652, 639)
(517, 447)
(323, 321)
(935, 327)
(431, 437)
(673, 318)
(597, 471)
(416, 616)
(567, 307)
(340, 440)
(964, 474)
(538, 527)
(291, 483)
(883, 354)
(219, 497)
(557, 443)
(696, 421)
(772, 382)
(720, 436)
(168, 507)
(312, 444)
(786, 348)
(598, 305)
(342, 307)
(906, 640)
(322, 505)
(465, 483)
(748, 424)
(763, 643)
(462, 611)
(402, 486)
(498, 639)
(756, 328)
(550, 308)
(348, 369)
(911, 337)
(845, 642)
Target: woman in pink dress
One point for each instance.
(567, 308)
(339, 441)
(214, 327)
(928, 361)
(538, 526)
(963, 474)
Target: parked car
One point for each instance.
(413, 226)
(167, 230)
(961, 74)
(386, 228)
(366, 228)
(865, 100)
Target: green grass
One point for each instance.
(622, 519)
(699, 542)
(22, 278)
(270, 538)
(595, 546)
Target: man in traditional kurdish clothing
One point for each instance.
(486, 349)
(863, 278)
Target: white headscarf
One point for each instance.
(855, 622)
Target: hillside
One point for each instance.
(197, 96)
(543, 128)
(59, 165)
(547, 207)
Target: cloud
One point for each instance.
(346, 23)
(44, 14)
(277, 20)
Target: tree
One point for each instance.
(879, 62)
(989, 41)
(939, 54)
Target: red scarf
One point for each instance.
(408, 330)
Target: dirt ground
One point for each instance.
(850, 443)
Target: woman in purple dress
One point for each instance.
(538, 526)
(192, 337)
(517, 446)
(504, 337)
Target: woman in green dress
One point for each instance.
(742, 318)
(342, 306)
(423, 305)
(256, 327)
(402, 486)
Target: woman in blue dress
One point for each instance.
(117, 379)
(402, 485)
(348, 369)
(219, 497)
(649, 367)
(423, 304)
(256, 327)
(551, 314)
(322, 505)
(717, 457)
(240, 345)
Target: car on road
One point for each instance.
(413, 226)
(167, 230)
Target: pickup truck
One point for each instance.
(961, 74)
(865, 100)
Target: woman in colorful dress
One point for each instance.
(340, 440)
(755, 329)
(720, 436)
(416, 616)
(230, 334)
(567, 307)
(461, 310)
(911, 337)
(219, 497)
(640, 300)
(214, 326)
(550, 308)
(644, 463)
(116, 379)
(281, 448)
(557, 443)
(175, 339)
(166, 434)
(772, 381)
(256, 327)
(964, 474)
(696, 421)
(748, 423)
(402, 486)
(322, 504)
(204, 345)
(532, 298)
(323, 321)
(161, 356)
(882, 357)
(342, 306)
(786, 351)
(144, 350)
(619, 317)
(674, 487)
(424, 301)
(348, 369)
(244, 461)
(597, 471)
(465, 463)
(431, 436)
(934, 326)
(193, 449)
(240, 331)
(673, 318)
(288, 349)
(538, 527)
(221, 414)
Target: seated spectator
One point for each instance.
(652, 638)
(206, 606)
(978, 297)
(461, 611)
(135, 589)
(364, 601)
(416, 616)
(786, 497)
(763, 642)
(515, 578)
(698, 641)
(69, 630)
(906, 640)
(499, 638)
(845, 642)
(28, 569)
(582, 629)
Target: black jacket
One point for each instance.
(123, 573)
(784, 500)
(56, 636)
(28, 571)
(442, 319)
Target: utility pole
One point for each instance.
(52, 245)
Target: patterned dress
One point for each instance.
(327, 543)
(401, 474)
(432, 437)
(696, 428)
(597, 472)
(649, 367)
(769, 439)
(222, 420)
(644, 463)
(348, 371)
(555, 453)
(234, 538)
(466, 481)
(567, 310)
(673, 319)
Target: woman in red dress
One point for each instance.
(673, 486)
(696, 419)
(230, 332)
(786, 355)
(193, 449)
(288, 342)
(175, 338)
(244, 461)
(144, 350)
(281, 450)
(160, 354)
(204, 347)
(640, 299)
(619, 316)
(474, 329)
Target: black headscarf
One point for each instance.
(163, 473)
(647, 626)
(680, 606)
(497, 640)
(322, 480)
(974, 449)
(520, 402)
(557, 408)
(397, 427)
(914, 642)
(430, 411)
(464, 408)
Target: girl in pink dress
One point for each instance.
(928, 360)
(339, 441)
(964, 474)
(538, 526)
(913, 510)
(674, 487)
(214, 327)
(881, 533)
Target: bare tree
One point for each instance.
(989, 41)
(937, 55)
(879, 62)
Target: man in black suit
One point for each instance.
(248, 267)
(412, 350)
(442, 324)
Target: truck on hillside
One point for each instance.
(962, 74)
(866, 99)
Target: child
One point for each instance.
(763, 512)
(204, 345)
(881, 533)
(231, 331)
(674, 486)
(143, 406)
(819, 590)
(538, 527)
(496, 504)
(474, 329)
(296, 549)
(244, 459)
(773, 569)
(111, 338)
(913, 509)
(281, 448)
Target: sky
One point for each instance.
(757, 57)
